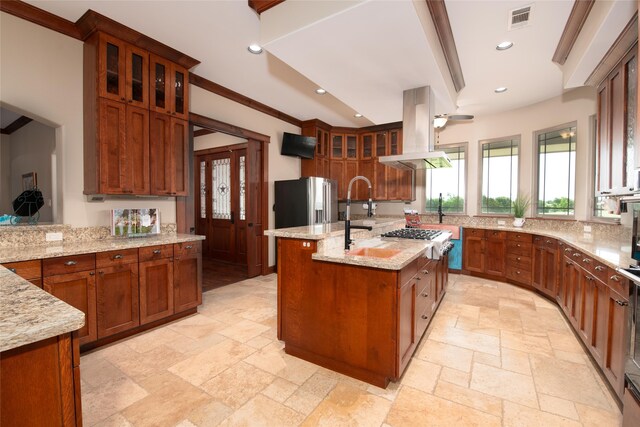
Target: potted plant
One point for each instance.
(520, 206)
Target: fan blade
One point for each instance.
(460, 117)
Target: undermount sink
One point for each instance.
(375, 252)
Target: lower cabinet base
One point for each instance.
(137, 330)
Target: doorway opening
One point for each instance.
(228, 204)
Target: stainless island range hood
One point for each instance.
(418, 134)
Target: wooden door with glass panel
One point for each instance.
(221, 205)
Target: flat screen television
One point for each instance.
(298, 146)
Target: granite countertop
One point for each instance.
(323, 231)
(51, 250)
(29, 314)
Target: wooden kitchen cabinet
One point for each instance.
(169, 152)
(169, 94)
(495, 252)
(28, 270)
(520, 246)
(319, 165)
(473, 258)
(615, 326)
(72, 280)
(41, 383)
(117, 297)
(187, 276)
(156, 283)
(407, 335)
(545, 265)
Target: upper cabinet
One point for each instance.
(617, 114)
(136, 120)
(169, 88)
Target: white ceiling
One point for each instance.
(365, 55)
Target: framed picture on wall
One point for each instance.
(29, 181)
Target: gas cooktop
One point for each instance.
(413, 233)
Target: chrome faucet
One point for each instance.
(347, 224)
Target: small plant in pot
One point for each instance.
(520, 206)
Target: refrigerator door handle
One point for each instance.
(328, 213)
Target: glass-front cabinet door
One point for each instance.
(352, 147)
(169, 94)
(337, 146)
(123, 72)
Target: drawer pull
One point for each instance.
(189, 247)
(118, 256)
(157, 251)
(71, 263)
(549, 242)
(567, 250)
(418, 278)
(589, 278)
(13, 270)
(519, 258)
(424, 316)
(425, 271)
(615, 278)
(424, 295)
(537, 238)
(576, 254)
(599, 268)
(569, 263)
(518, 245)
(92, 273)
(622, 303)
(586, 260)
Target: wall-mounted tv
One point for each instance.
(298, 145)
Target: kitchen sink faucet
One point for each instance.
(347, 223)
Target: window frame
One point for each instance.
(536, 173)
(518, 139)
(443, 147)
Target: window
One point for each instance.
(450, 182)
(499, 175)
(556, 170)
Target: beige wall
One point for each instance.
(280, 167)
(215, 140)
(41, 75)
(576, 105)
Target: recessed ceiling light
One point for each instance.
(500, 89)
(358, 115)
(320, 91)
(255, 48)
(504, 45)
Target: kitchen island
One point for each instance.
(362, 315)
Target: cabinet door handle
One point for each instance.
(13, 270)
(622, 303)
(518, 245)
(92, 273)
(418, 278)
(586, 260)
(117, 256)
(589, 278)
(69, 263)
(424, 295)
(157, 251)
(569, 263)
(518, 258)
(424, 316)
(189, 247)
(615, 278)
(599, 268)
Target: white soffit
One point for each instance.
(606, 21)
(365, 54)
(526, 69)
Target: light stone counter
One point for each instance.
(323, 231)
(25, 253)
(29, 314)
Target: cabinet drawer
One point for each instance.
(112, 258)
(519, 261)
(618, 283)
(68, 264)
(495, 234)
(26, 269)
(187, 248)
(475, 232)
(151, 253)
(519, 248)
(601, 271)
(519, 237)
(519, 275)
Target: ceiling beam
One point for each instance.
(440, 18)
(202, 132)
(41, 17)
(218, 126)
(206, 84)
(577, 18)
(262, 5)
(15, 125)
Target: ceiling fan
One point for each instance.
(440, 120)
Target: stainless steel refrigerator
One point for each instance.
(305, 201)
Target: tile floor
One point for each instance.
(494, 355)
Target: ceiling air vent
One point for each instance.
(520, 17)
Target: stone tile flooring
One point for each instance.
(494, 355)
